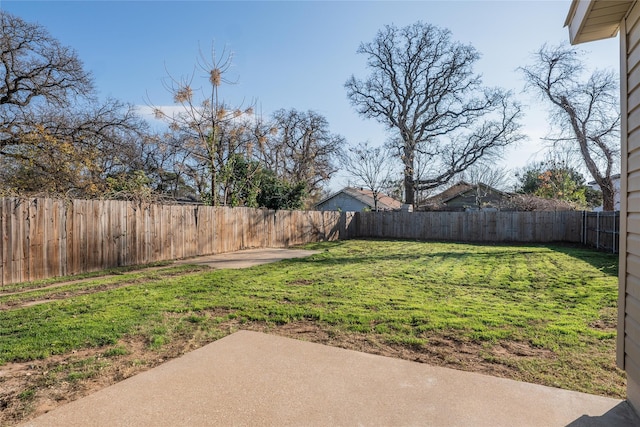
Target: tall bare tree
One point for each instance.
(301, 148)
(584, 109)
(209, 131)
(371, 167)
(35, 65)
(55, 136)
(488, 174)
(422, 86)
(34, 69)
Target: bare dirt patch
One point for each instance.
(29, 389)
(510, 348)
(27, 302)
(33, 388)
(78, 281)
(439, 351)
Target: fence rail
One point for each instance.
(44, 238)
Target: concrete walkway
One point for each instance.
(253, 379)
(247, 258)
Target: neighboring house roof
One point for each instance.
(366, 196)
(459, 189)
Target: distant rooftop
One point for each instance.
(385, 202)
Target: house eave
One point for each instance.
(590, 20)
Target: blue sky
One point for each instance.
(298, 54)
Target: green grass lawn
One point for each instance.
(539, 313)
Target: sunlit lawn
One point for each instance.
(558, 302)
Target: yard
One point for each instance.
(539, 313)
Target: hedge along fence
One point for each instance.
(44, 238)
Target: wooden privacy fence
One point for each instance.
(564, 226)
(601, 230)
(45, 238)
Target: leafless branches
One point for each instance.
(208, 132)
(300, 148)
(585, 110)
(422, 86)
(55, 136)
(34, 65)
(370, 166)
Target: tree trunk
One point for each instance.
(409, 188)
(605, 182)
(608, 198)
(409, 182)
(214, 184)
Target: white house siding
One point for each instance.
(342, 202)
(629, 298)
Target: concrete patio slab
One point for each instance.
(247, 258)
(250, 378)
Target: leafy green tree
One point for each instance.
(242, 181)
(277, 193)
(248, 183)
(555, 180)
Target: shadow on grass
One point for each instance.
(322, 246)
(607, 263)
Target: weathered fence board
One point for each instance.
(526, 227)
(44, 237)
(601, 230)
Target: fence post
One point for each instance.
(616, 215)
(598, 230)
(583, 228)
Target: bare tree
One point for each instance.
(301, 148)
(491, 175)
(423, 87)
(209, 131)
(585, 111)
(36, 65)
(482, 172)
(73, 151)
(485, 179)
(55, 136)
(371, 167)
